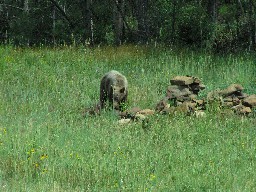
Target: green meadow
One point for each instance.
(47, 145)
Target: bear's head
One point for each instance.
(119, 96)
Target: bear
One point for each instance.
(114, 89)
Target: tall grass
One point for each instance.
(46, 144)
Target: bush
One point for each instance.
(193, 27)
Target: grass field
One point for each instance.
(46, 144)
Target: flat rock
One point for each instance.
(228, 99)
(233, 89)
(242, 95)
(250, 101)
(236, 101)
(124, 121)
(228, 104)
(199, 102)
(200, 114)
(140, 117)
(184, 80)
(195, 87)
(148, 111)
(129, 113)
(183, 108)
(193, 96)
(191, 105)
(241, 109)
(176, 91)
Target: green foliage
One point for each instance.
(228, 12)
(193, 25)
(226, 26)
(224, 33)
(110, 37)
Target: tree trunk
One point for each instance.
(118, 21)
(53, 24)
(212, 9)
(4, 24)
(88, 23)
(174, 15)
(26, 7)
(251, 26)
(62, 11)
(141, 14)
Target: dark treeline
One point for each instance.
(212, 24)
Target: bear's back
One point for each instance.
(116, 78)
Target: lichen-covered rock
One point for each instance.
(175, 91)
(140, 117)
(184, 80)
(241, 110)
(183, 108)
(200, 114)
(233, 89)
(129, 113)
(200, 102)
(227, 104)
(233, 98)
(250, 101)
(124, 121)
(196, 87)
(191, 105)
(146, 112)
(162, 104)
(182, 93)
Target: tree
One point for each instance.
(118, 20)
(252, 25)
(221, 25)
(142, 19)
(88, 22)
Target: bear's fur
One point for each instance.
(113, 88)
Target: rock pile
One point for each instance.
(181, 96)
(135, 114)
(182, 93)
(233, 98)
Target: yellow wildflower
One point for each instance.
(152, 177)
(36, 165)
(44, 156)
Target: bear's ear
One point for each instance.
(122, 90)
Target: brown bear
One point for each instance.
(114, 88)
